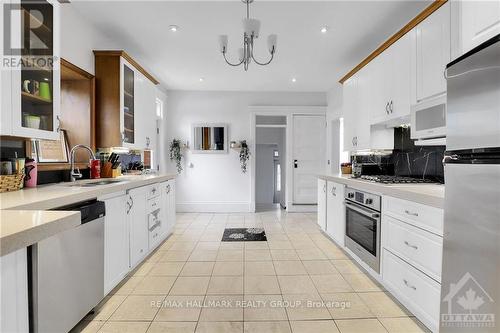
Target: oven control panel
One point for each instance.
(366, 199)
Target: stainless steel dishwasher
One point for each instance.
(67, 276)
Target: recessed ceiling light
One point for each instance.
(173, 28)
(324, 29)
(201, 79)
(294, 80)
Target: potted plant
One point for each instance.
(244, 155)
(175, 153)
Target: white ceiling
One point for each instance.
(316, 60)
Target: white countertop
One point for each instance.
(56, 195)
(22, 228)
(426, 194)
(25, 218)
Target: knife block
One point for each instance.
(107, 170)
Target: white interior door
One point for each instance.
(308, 158)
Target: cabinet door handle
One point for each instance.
(148, 141)
(168, 188)
(58, 123)
(409, 285)
(131, 202)
(410, 245)
(324, 188)
(387, 108)
(391, 106)
(411, 213)
(123, 136)
(334, 189)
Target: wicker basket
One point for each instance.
(11, 183)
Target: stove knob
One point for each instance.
(369, 201)
(350, 195)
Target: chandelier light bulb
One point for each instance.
(223, 43)
(271, 43)
(173, 28)
(324, 29)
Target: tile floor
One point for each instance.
(296, 282)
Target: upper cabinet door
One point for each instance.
(350, 110)
(399, 60)
(478, 21)
(35, 85)
(128, 91)
(432, 38)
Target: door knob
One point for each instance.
(295, 164)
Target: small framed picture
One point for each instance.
(53, 151)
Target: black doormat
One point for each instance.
(244, 235)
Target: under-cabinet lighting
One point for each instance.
(173, 28)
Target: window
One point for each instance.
(278, 177)
(159, 108)
(276, 153)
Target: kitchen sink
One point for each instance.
(95, 183)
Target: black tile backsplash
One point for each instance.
(410, 160)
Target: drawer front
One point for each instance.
(153, 204)
(414, 288)
(154, 220)
(425, 217)
(153, 191)
(420, 248)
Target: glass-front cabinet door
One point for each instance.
(36, 79)
(127, 113)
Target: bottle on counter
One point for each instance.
(31, 173)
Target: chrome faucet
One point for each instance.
(74, 175)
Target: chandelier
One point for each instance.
(251, 29)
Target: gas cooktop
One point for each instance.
(395, 179)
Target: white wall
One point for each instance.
(79, 38)
(215, 183)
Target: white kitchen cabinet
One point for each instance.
(322, 203)
(139, 232)
(14, 292)
(33, 107)
(473, 22)
(168, 207)
(116, 239)
(350, 108)
(431, 42)
(335, 212)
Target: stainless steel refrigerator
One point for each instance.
(470, 289)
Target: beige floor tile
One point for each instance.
(175, 256)
(319, 267)
(172, 327)
(302, 245)
(403, 325)
(257, 255)
(256, 246)
(346, 306)
(306, 307)
(106, 307)
(361, 282)
(156, 256)
(138, 308)
(382, 305)
(190, 285)
(260, 285)
(183, 246)
(128, 285)
(180, 308)
(228, 268)
(298, 284)
(264, 307)
(232, 246)
(87, 326)
(222, 308)
(259, 268)
(154, 285)
(219, 327)
(284, 255)
(225, 285)
(196, 268)
(166, 269)
(346, 267)
(314, 326)
(267, 327)
(360, 326)
(280, 245)
(331, 283)
(289, 267)
(203, 255)
(230, 255)
(311, 254)
(277, 237)
(124, 327)
(143, 269)
(213, 246)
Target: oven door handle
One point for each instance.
(363, 211)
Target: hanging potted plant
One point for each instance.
(175, 153)
(244, 155)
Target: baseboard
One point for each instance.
(213, 207)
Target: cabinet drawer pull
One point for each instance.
(324, 188)
(387, 108)
(391, 109)
(334, 189)
(409, 285)
(411, 213)
(410, 245)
